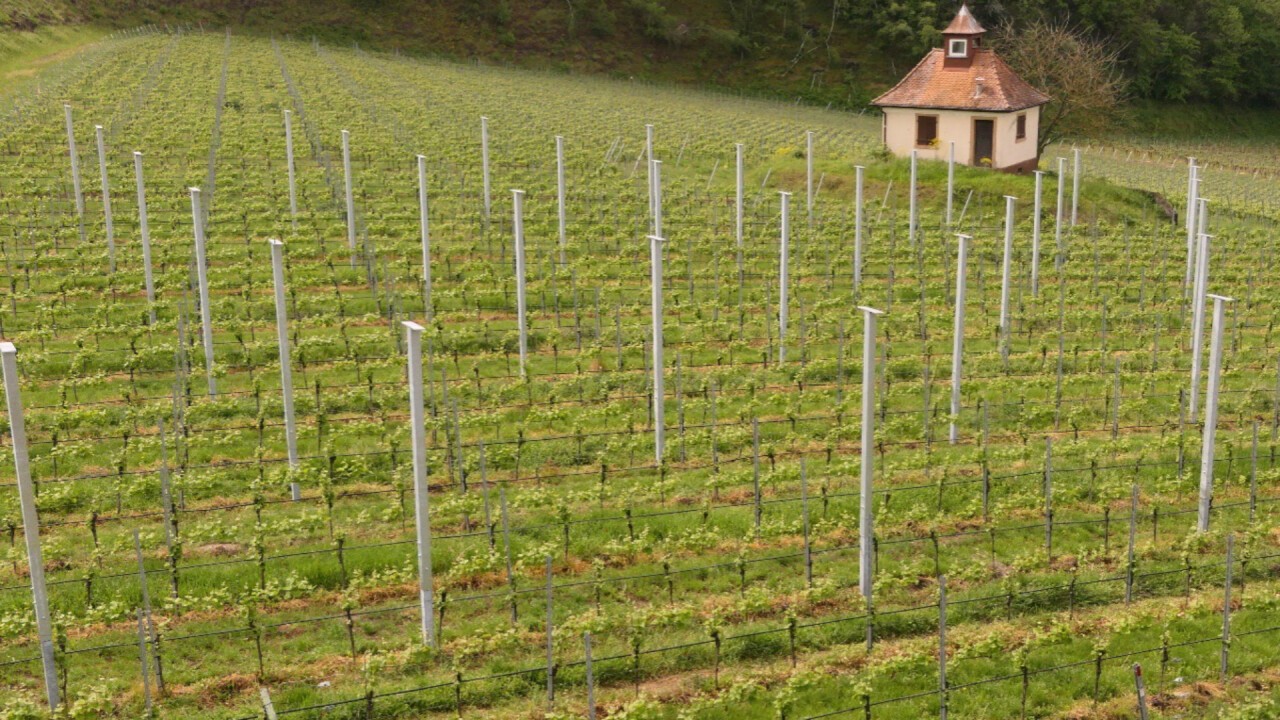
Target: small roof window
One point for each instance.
(957, 47)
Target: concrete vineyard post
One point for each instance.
(808, 175)
(648, 162)
(1193, 190)
(106, 197)
(506, 550)
(1005, 269)
(1200, 285)
(421, 500)
(1075, 187)
(142, 661)
(1253, 475)
(1057, 224)
(866, 537)
(268, 708)
(484, 166)
(145, 612)
(655, 193)
(351, 201)
(1035, 235)
(859, 172)
(1133, 537)
(591, 678)
(1048, 496)
(560, 195)
(145, 230)
(655, 308)
(951, 180)
(1226, 611)
(655, 312)
(739, 177)
(166, 497)
(957, 342)
(286, 369)
(757, 508)
(804, 518)
(517, 229)
(942, 647)
(202, 278)
(551, 657)
(30, 520)
(783, 272)
(426, 237)
(1211, 413)
(912, 192)
(288, 159)
(1141, 689)
(75, 164)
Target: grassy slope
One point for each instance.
(842, 71)
(835, 68)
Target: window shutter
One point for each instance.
(926, 129)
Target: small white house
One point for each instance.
(963, 93)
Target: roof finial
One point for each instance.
(964, 23)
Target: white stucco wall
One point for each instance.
(957, 126)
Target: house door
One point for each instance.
(984, 142)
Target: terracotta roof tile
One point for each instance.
(933, 85)
(964, 23)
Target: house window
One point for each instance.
(926, 130)
(957, 48)
(1022, 126)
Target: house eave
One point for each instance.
(965, 108)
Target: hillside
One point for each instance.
(801, 55)
(509, 423)
(823, 52)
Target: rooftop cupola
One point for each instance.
(962, 38)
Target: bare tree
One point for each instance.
(1079, 72)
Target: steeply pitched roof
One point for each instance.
(964, 23)
(933, 85)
